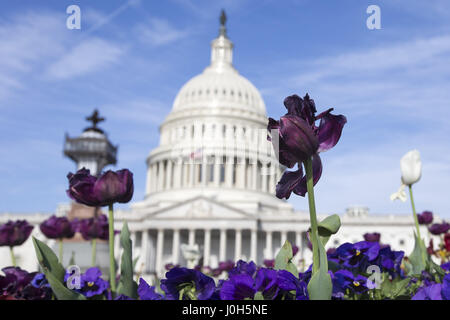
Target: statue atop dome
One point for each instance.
(223, 21)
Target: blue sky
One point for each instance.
(131, 57)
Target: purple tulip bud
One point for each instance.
(425, 217)
(15, 233)
(94, 228)
(269, 263)
(439, 228)
(105, 190)
(294, 250)
(58, 228)
(372, 237)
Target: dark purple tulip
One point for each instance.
(439, 228)
(58, 228)
(294, 250)
(372, 237)
(15, 233)
(300, 139)
(94, 228)
(105, 190)
(243, 267)
(425, 217)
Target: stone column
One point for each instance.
(223, 245)
(255, 175)
(229, 166)
(264, 177)
(117, 247)
(177, 174)
(238, 245)
(159, 251)
(207, 247)
(283, 238)
(192, 173)
(216, 172)
(191, 236)
(253, 245)
(144, 250)
(169, 170)
(175, 246)
(269, 250)
(160, 175)
(204, 171)
(133, 241)
(298, 243)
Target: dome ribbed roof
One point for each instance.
(220, 86)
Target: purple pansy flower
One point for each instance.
(238, 287)
(191, 282)
(58, 228)
(353, 255)
(15, 233)
(287, 283)
(425, 217)
(439, 228)
(344, 279)
(91, 283)
(430, 292)
(147, 292)
(266, 283)
(446, 287)
(446, 266)
(300, 139)
(105, 190)
(243, 267)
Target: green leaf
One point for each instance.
(418, 256)
(320, 286)
(324, 240)
(48, 260)
(258, 296)
(60, 291)
(283, 260)
(54, 272)
(330, 225)
(127, 285)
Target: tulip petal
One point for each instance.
(294, 105)
(299, 138)
(330, 129)
(301, 189)
(288, 182)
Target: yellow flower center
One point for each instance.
(356, 283)
(90, 284)
(358, 252)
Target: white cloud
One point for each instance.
(159, 32)
(90, 56)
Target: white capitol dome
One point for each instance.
(218, 119)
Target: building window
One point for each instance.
(222, 172)
(402, 242)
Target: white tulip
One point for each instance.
(411, 167)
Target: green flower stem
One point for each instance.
(13, 258)
(312, 214)
(112, 267)
(416, 220)
(60, 243)
(94, 251)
